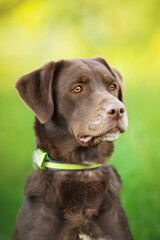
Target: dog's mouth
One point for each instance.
(109, 136)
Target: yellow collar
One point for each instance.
(42, 161)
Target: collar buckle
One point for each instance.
(39, 159)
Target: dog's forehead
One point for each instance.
(87, 65)
(75, 68)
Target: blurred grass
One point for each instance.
(128, 35)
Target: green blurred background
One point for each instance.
(127, 33)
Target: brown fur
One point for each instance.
(68, 205)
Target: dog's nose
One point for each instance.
(115, 110)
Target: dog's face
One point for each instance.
(86, 93)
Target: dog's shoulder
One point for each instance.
(39, 183)
(34, 185)
(114, 173)
(115, 182)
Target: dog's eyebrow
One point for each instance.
(105, 75)
(112, 80)
(108, 78)
(82, 79)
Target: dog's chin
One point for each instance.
(109, 136)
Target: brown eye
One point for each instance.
(112, 87)
(77, 89)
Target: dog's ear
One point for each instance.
(115, 73)
(120, 80)
(35, 89)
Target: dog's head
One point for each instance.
(86, 93)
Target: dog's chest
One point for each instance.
(86, 237)
(82, 197)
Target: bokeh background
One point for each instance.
(127, 34)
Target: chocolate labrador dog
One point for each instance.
(74, 193)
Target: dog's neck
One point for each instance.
(63, 146)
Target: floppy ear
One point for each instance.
(115, 73)
(35, 89)
(120, 80)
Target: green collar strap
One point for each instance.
(42, 161)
